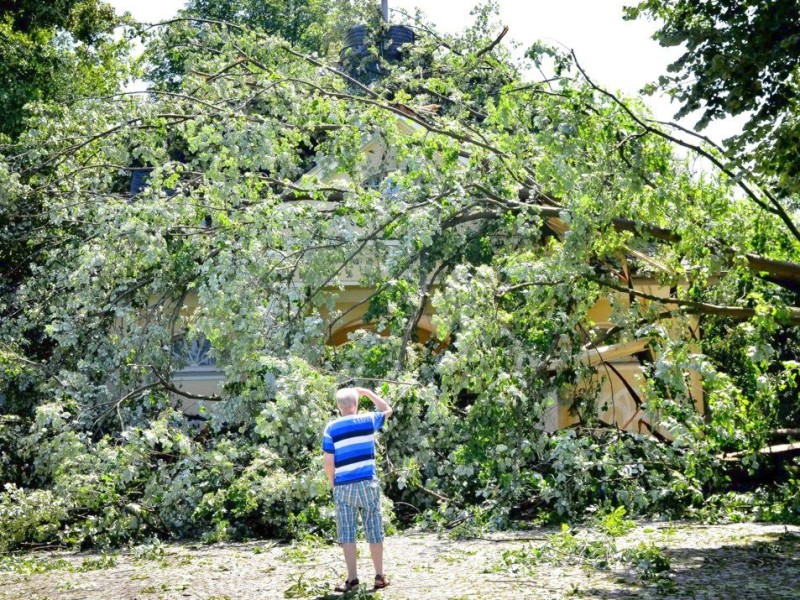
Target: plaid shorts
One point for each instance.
(349, 498)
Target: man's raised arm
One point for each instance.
(379, 402)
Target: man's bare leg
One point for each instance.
(376, 551)
(350, 559)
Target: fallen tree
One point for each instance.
(230, 219)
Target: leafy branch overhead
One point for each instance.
(740, 58)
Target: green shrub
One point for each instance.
(614, 522)
(32, 516)
(650, 561)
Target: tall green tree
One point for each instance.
(304, 23)
(313, 26)
(54, 52)
(742, 57)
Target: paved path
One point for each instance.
(716, 561)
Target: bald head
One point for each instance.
(347, 400)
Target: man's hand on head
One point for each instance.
(379, 402)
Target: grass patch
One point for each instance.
(562, 547)
(104, 561)
(298, 553)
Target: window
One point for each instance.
(193, 354)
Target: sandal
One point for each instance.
(350, 584)
(381, 582)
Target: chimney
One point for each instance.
(356, 58)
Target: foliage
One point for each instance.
(303, 588)
(652, 566)
(559, 548)
(510, 209)
(614, 523)
(30, 564)
(162, 480)
(28, 516)
(313, 26)
(740, 58)
(11, 467)
(307, 24)
(778, 504)
(55, 52)
(649, 561)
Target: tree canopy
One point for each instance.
(312, 26)
(54, 52)
(510, 204)
(303, 23)
(741, 58)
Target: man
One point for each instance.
(348, 444)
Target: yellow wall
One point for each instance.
(615, 403)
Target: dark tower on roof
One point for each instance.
(363, 48)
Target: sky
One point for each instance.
(619, 55)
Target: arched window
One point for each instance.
(193, 353)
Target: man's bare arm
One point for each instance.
(379, 402)
(327, 459)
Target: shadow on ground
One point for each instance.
(760, 569)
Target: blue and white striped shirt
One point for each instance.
(351, 440)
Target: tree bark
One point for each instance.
(734, 312)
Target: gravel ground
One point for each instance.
(745, 560)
